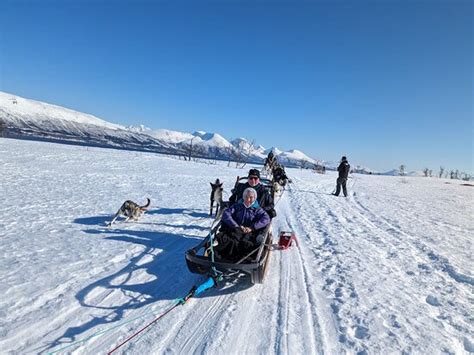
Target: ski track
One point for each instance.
(380, 233)
(368, 276)
(310, 319)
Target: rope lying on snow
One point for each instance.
(141, 330)
(210, 282)
(99, 333)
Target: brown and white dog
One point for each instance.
(130, 210)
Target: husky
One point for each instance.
(216, 196)
(276, 189)
(130, 210)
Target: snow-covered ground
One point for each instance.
(387, 270)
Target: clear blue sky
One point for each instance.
(383, 82)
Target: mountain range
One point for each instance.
(29, 119)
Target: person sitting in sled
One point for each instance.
(264, 197)
(242, 227)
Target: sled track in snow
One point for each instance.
(337, 281)
(283, 307)
(387, 248)
(208, 317)
(301, 273)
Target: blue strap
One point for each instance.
(206, 285)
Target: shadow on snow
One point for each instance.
(162, 258)
(102, 220)
(93, 221)
(192, 213)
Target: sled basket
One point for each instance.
(255, 264)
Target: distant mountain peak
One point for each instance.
(37, 120)
(139, 128)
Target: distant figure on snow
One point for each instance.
(343, 170)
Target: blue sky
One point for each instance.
(383, 82)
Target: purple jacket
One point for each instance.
(237, 215)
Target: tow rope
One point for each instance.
(195, 291)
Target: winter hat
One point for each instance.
(254, 172)
(343, 158)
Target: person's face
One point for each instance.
(253, 180)
(249, 199)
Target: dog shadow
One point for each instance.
(95, 220)
(162, 258)
(105, 219)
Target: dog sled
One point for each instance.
(200, 259)
(254, 262)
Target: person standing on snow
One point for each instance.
(343, 170)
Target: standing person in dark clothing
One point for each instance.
(343, 170)
(264, 197)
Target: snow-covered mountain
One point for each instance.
(30, 119)
(295, 155)
(170, 136)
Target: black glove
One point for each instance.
(271, 212)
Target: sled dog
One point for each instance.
(216, 196)
(130, 210)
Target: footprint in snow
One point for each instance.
(361, 332)
(468, 345)
(432, 300)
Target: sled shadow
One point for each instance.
(157, 273)
(184, 226)
(227, 287)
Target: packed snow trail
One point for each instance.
(388, 269)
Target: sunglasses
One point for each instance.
(252, 178)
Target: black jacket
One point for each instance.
(344, 169)
(264, 197)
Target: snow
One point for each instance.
(171, 136)
(140, 129)
(387, 270)
(15, 107)
(211, 140)
(275, 151)
(295, 155)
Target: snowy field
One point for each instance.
(387, 270)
